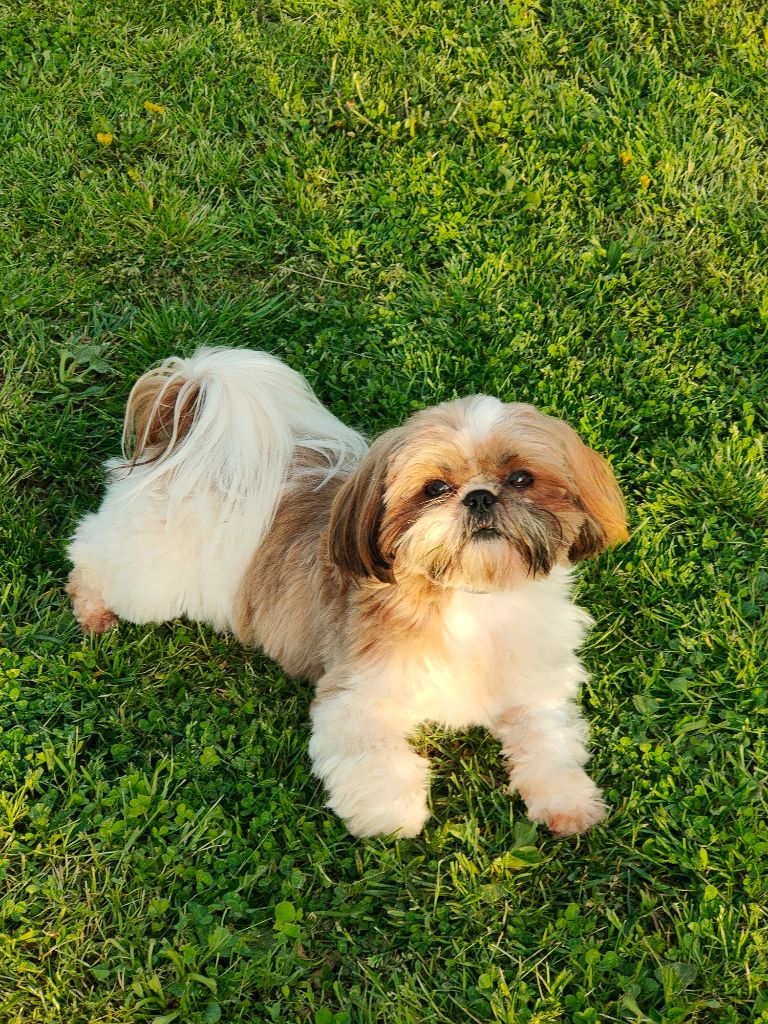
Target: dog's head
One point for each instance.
(475, 495)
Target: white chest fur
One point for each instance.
(488, 652)
(505, 661)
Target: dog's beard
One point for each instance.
(494, 553)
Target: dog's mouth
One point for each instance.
(487, 533)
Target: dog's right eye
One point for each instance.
(437, 488)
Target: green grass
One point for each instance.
(408, 201)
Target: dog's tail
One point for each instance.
(228, 424)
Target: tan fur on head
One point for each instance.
(159, 415)
(385, 525)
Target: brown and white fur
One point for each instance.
(424, 579)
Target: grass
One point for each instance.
(407, 201)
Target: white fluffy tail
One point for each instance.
(227, 424)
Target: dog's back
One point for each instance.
(209, 444)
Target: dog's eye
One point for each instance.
(437, 488)
(521, 479)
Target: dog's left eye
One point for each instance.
(520, 479)
(437, 488)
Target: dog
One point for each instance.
(424, 578)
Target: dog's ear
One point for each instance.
(357, 513)
(599, 496)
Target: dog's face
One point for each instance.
(475, 495)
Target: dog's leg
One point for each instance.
(376, 782)
(128, 565)
(545, 749)
(88, 603)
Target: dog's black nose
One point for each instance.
(479, 501)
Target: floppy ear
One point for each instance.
(600, 498)
(357, 514)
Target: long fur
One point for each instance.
(210, 444)
(242, 502)
(229, 422)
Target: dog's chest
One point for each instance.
(487, 651)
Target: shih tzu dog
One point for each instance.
(426, 578)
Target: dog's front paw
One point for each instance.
(377, 793)
(402, 816)
(580, 819)
(570, 803)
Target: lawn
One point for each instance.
(563, 203)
